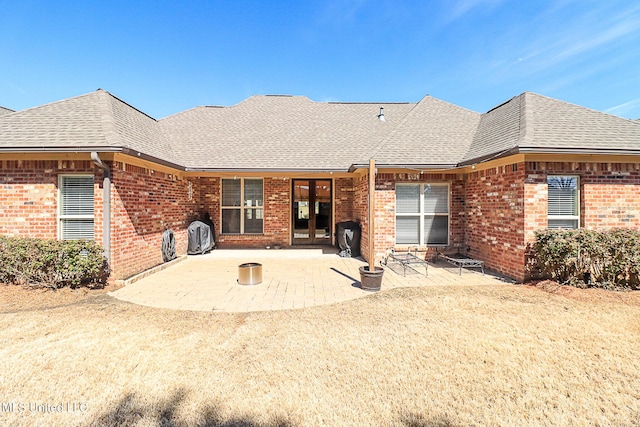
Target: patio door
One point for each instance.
(311, 206)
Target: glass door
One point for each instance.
(311, 211)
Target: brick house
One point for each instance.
(284, 170)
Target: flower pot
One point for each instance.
(371, 280)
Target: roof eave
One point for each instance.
(99, 149)
(266, 170)
(578, 150)
(411, 166)
(50, 149)
(492, 156)
(552, 150)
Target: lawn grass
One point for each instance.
(428, 356)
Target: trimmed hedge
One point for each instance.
(52, 263)
(587, 258)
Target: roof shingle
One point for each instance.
(295, 133)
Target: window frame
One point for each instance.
(242, 207)
(62, 217)
(577, 202)
(422, 215)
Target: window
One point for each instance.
(75, 214)
(422, 214)
(563, 208)
(242, 206)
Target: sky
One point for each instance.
(164, 57)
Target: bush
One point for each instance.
(52, 263)
(608, 259)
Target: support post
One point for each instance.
(372, 201)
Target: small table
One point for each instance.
(406, 259)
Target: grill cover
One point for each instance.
(200, 238)
(348, 237)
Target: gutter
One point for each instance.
(106, 204)
(551, 150)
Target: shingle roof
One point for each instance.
(433, 133)
(5, 110)
(535, 123)
(280, 132)
(295, 133)
(95, 121)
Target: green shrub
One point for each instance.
(52, 263)
(608, 259)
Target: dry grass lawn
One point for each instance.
(430, 356)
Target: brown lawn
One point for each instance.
(430, 356)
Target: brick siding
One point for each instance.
(495, 218)
(29, 196)
(144, 202)
(494, 212)
(385, 216)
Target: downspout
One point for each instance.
(106, 204)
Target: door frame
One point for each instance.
(312, 195)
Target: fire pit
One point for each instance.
(250, 273)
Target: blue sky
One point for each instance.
(164, 57)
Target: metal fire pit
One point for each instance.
(250, 273)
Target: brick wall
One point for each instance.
(609, 192)
(29, 196)
(495, 218)
(344, 194)
(277, 211)
(506, 205)
(495, 211)
(385, 207)
(277, 214)
(360, 211)
(143, 203)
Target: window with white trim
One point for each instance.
(563, 201)
(242, 206)
(75, 213)
(422, 214)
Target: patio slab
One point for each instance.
(292, 278)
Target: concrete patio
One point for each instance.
(292, 278)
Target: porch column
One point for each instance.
(372, 208)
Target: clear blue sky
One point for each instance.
(164, 57)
